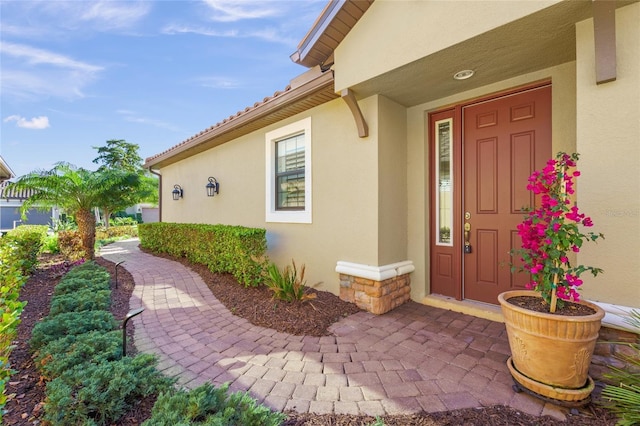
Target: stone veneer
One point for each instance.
(377, 297)
(613, 345)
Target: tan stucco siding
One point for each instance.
(563, 134)
(394, 33)
(392, 181)
(608, 120)
(345, 192)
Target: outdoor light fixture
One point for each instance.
(213, 187)
(132, 313)
(463, 75)
(177, 192)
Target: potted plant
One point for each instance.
(552, 334)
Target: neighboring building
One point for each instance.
(10, 204)
(415, 119)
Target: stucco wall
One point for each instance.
(608, 119)
(563, 134)
(392, 180)
(345, 192)
(385, 37)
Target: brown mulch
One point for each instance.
(26, 390)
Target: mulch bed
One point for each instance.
(26, 390)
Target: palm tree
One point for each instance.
(74, 189)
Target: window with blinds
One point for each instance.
(288, 194)
(290, 173)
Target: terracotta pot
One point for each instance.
(554, 350)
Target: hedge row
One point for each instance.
(78, 348)
(18, 258)
(237, 250)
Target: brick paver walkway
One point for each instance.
(411, 359)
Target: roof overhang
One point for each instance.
(331, 27)
(5, 171)
(309, 90)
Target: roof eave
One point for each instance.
(309, 94)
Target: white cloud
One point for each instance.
(185, 29)
(29, 72)
(101, 15)
(219, 82)
(37, 123)
(236, 10)
(38, 56)
(131, 117)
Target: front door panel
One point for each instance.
(504, 141)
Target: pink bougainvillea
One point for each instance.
(552, 230)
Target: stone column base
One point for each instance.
(377, 297)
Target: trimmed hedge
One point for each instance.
(116, 231)
(237, 250)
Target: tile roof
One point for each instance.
(13, 194)
(312, 88)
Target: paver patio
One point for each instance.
(411, 359)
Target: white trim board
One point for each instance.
(375, 273)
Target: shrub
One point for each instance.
(121, 231)
(624, 399)
(11, 281)
(28, 240)
(208, 405)
(70, 323)
(102, 393)
(73, 285)
(70, 244)
(237, 250)
(83, 300)
(286, 285)
(68, 352)
(50, 244)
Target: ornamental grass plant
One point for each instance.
(552, 231)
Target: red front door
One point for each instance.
(504, 141)
(495, 145)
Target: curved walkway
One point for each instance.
(411, 359)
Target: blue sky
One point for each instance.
(75, 74)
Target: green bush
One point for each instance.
(75, 351)
(73, 285)
(624, 399)
(101, 393)
(80, 301)
(286, 285)
(28, 240)
(237, 250)
(120, 231)
(11, 281)
(70, 323)
(50, 244)
(207, 405)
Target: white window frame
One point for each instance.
(287, 216)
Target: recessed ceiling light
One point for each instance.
(463, 75)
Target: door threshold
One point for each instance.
(469, 307)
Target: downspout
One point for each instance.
(159, 192)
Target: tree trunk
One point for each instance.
(106, 214)
(87, 228)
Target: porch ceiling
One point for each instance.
(538, 41)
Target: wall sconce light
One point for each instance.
(213, 187)
(177, 192)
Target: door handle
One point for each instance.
(467, 237)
